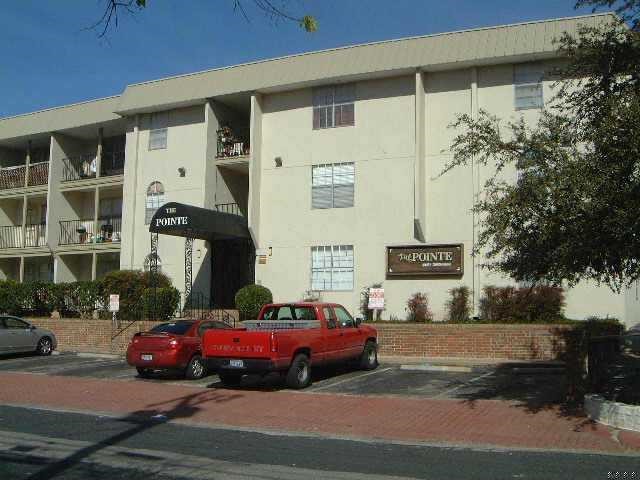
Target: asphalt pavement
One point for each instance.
(498, 382)
(42, 445)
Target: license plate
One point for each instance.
(236, 363)
(146, 358)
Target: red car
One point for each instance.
(291, 338)
(172, 346)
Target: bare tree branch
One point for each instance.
(114, 8)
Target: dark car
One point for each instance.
(172, 346)
(19, 336)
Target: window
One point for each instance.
(111, 208)
(155, 199)
(330, 317)
(15, 324)
(334, 106)
(345, 320)
(332, 267)
(158, 131)
(287, 312)
(175, 328)
(527, 79)
(332, 185)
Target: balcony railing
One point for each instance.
(34, 235)
(79, 232)
(11, 236)
(232, 208)
(112, 163)
(38, 173)
(232, 142)
(12, 177)
(79, 167)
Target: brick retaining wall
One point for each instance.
(515, 342)
(484, 341)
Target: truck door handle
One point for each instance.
(341, 334)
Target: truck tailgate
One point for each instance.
(236, 344)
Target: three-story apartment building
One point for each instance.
(317, 172)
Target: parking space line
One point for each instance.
(356, 377)
(475, 379)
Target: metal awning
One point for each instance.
(182, 220)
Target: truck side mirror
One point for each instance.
(358, 320)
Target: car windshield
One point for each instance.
(175, 328)
(289, 312)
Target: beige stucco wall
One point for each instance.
(186, 147)
(383, 146)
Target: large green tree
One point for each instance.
(574, 211)
(276, 10)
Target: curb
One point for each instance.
(438, 368)
(98, 355)
(613, 414)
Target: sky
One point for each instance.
(49, 58)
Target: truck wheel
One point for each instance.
(369, 357)
(230, 379)
(299, 374)
(196, 368)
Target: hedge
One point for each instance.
(250, 299)
(142, 295)
(537, 304)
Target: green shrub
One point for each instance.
(458, 306)
(131, 285)
(160, 303)
(10, 297)
(250, 299)
(82, 298)
(537, 304)
(418, 308)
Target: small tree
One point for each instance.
(250, 299)
(418, 308)
(458, 305)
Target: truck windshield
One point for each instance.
(289, 312)
(175, 328)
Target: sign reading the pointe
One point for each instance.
(425, 260)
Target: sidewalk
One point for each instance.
(454, 422)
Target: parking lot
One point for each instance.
(532, 385)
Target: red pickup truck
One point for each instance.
(290, 338)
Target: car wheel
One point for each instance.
(230, 379)
(196, 368)
(45, 347)
(299, 374)
(369, 357)
(143, 372)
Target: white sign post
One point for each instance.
(114, 306)
(376, 300)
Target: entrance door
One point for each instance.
(231, 269)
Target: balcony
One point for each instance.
(12, 236)
(38, 174)
(79, 167)
(232, 142)
(112, 163)
(231, 208)
(85, 232)
(20, 176)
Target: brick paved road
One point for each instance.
(387, 403)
